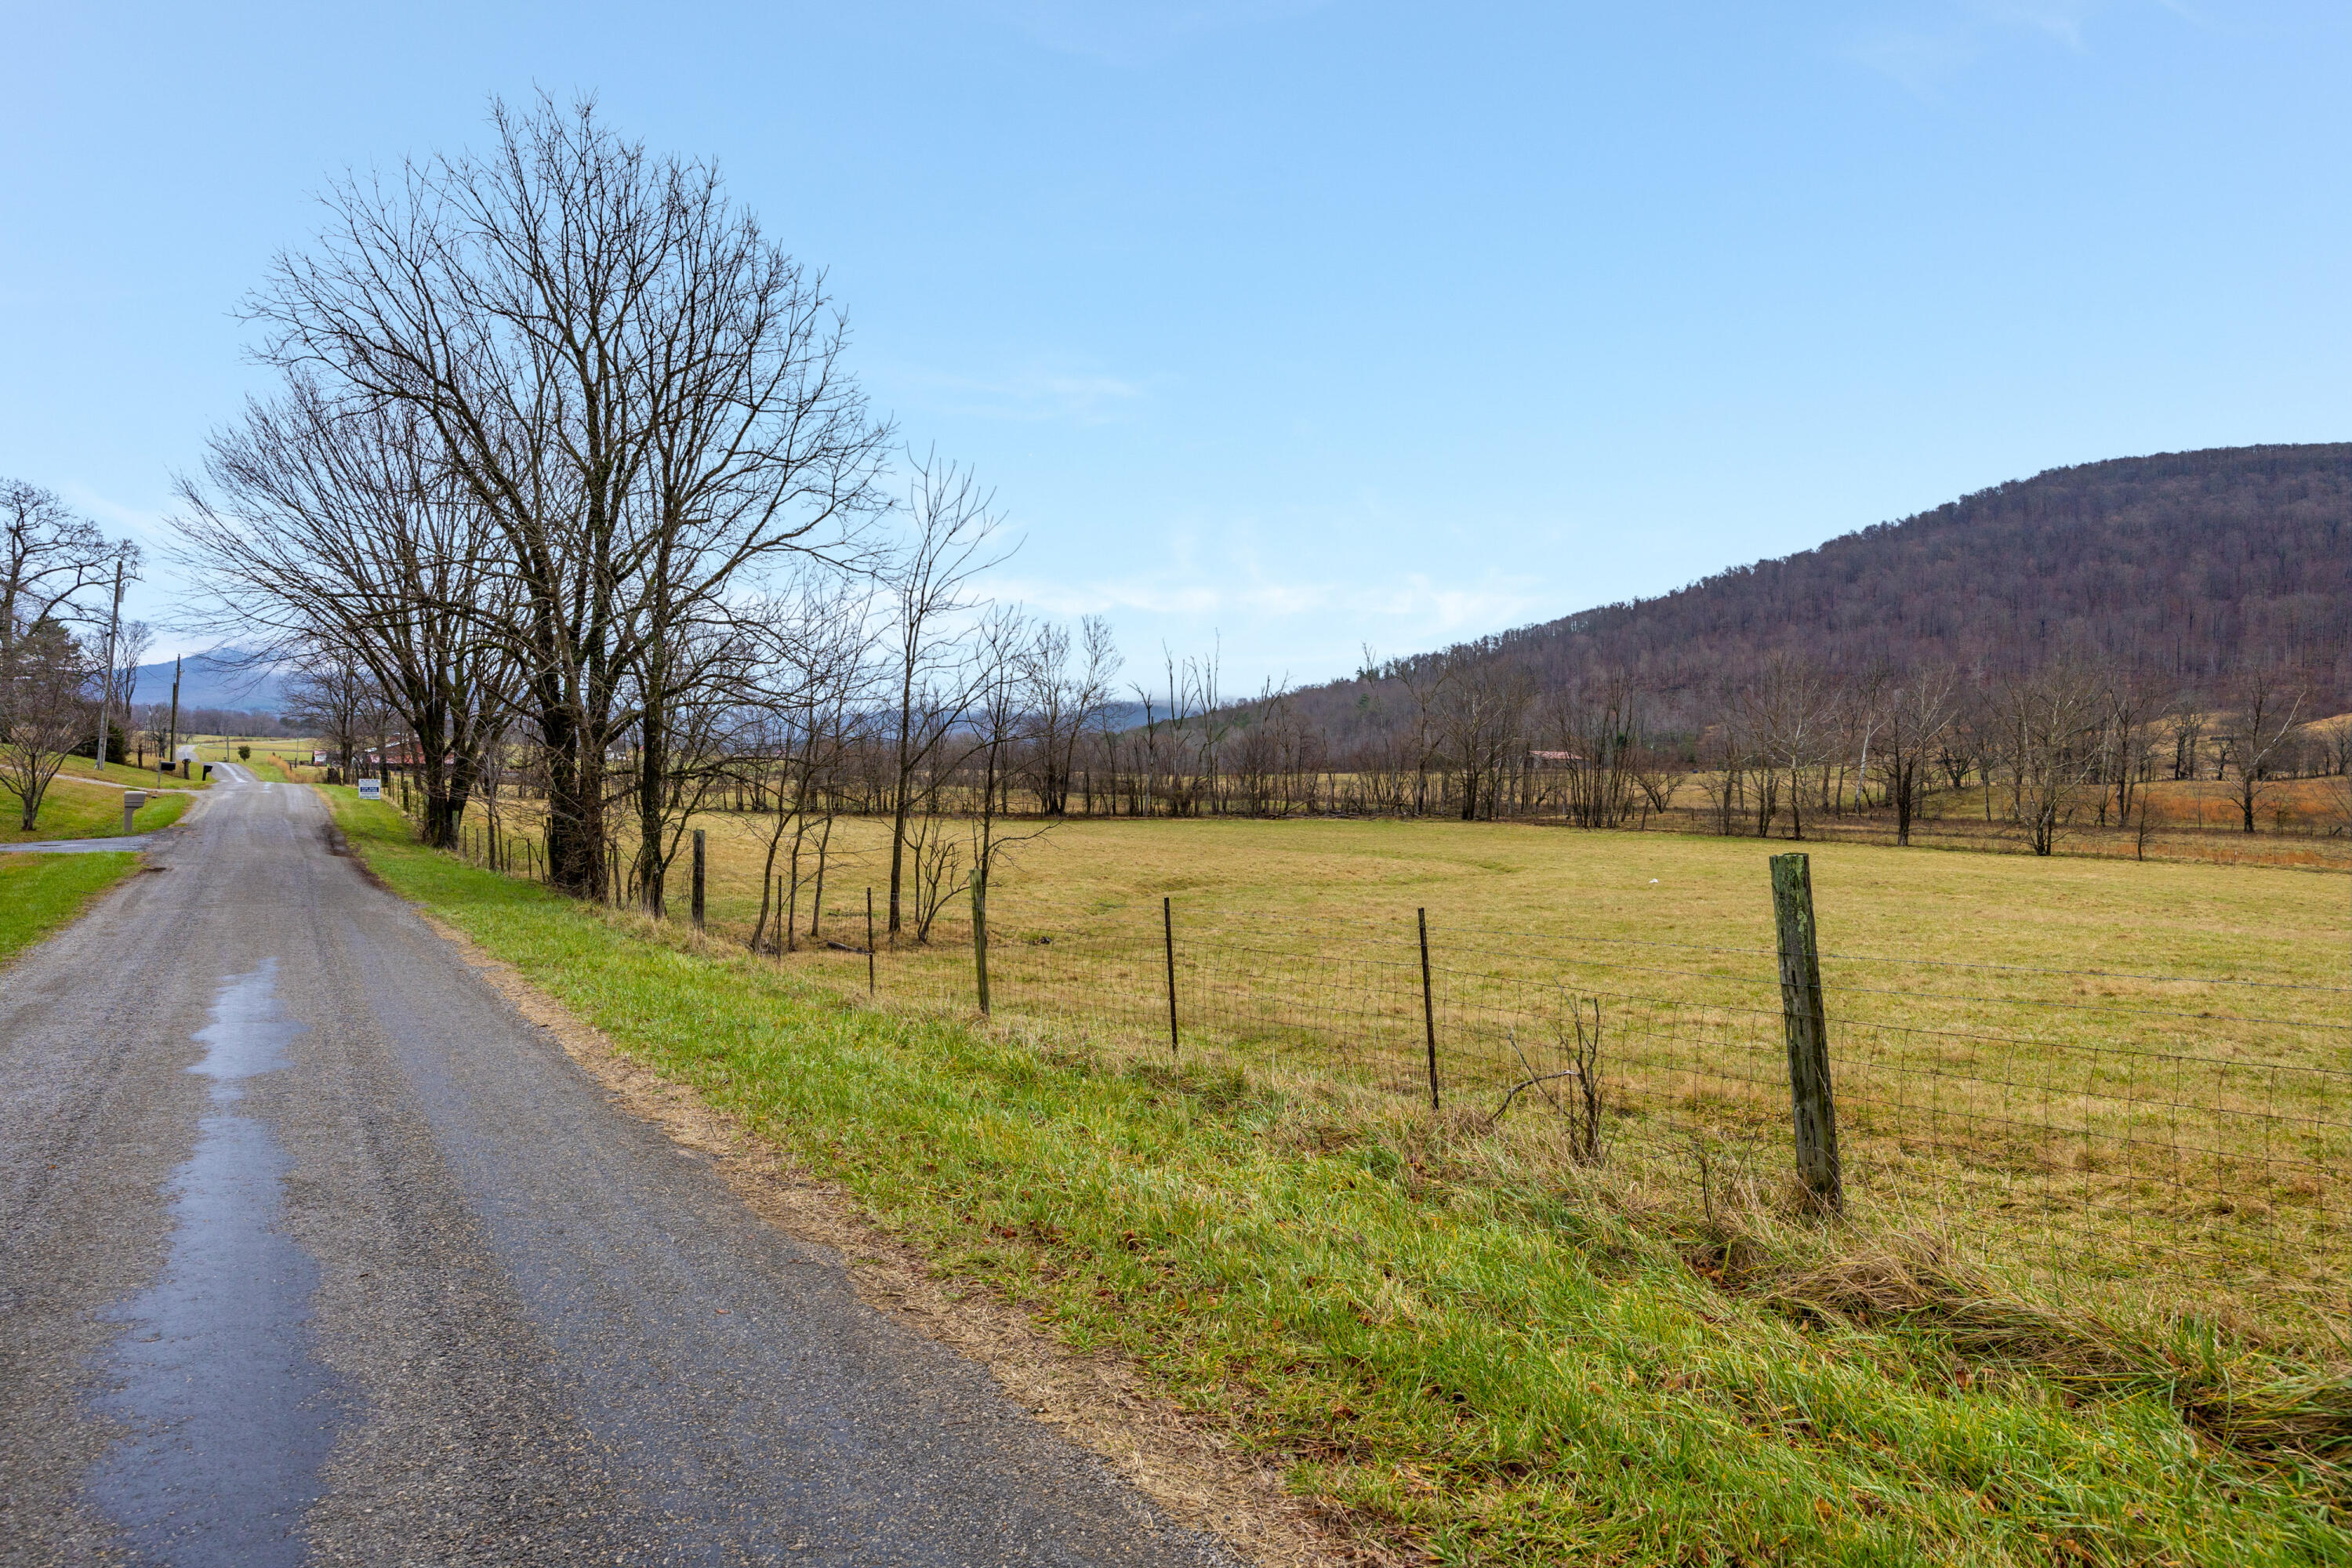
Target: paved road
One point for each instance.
(311, 1250)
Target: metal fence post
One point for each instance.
(1168, 935)
(698, 881)
(1428, 1006)
(869, 943)
(1813, 1106)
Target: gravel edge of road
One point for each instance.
(1194, 1475)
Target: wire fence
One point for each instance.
(2107, 1133)
(2110, 1133)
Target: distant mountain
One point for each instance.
(2183, 563)
(216, 679)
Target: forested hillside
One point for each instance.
(2186, 566)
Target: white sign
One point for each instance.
(370, 789)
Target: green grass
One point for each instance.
(133, 775)
(39, 893)
(1486, 1368)
(72, 810)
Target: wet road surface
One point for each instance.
(314, 1251)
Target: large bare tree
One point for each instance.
(644, 395)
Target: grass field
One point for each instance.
(75, 810)
(2121, 1078)
(1464, 1345)
(39, 893)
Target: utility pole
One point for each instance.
(173, 744)
(106, 682)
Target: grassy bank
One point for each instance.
(1447, 1334)
(39, 893)
(73, 810)
(132, 776)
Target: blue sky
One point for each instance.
(1292, 326)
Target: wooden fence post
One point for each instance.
(1168, 935)
(1813, 1105)
(1428, 1006)
(869, 943)
(979, 936)
(698, 881)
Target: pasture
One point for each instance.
(2133, 1080)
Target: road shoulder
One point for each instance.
(1193, 1473)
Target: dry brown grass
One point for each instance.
(2104, 1066)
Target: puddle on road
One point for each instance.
(231, 1416)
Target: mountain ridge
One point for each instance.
(2184, 564)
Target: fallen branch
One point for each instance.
(1540, 1078)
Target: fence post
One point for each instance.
(1813, 1106)
(869, 943)
(1168, 936)
(1428, 1006)
(698, 881)
(979, 936)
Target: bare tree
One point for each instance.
(1916, 715)
(1727, 756)
(815, 644)
(1480, 709)
(1062, 701)
(2132, 701)
(1788, 717)
(131, 641)
(337, 536)
(1596, 726)
(643, 394)
(930, 585)
(328, 696)
(2264, 716)
(44, 711)
(1003, 652)
(2050, 721)
(47, 556)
